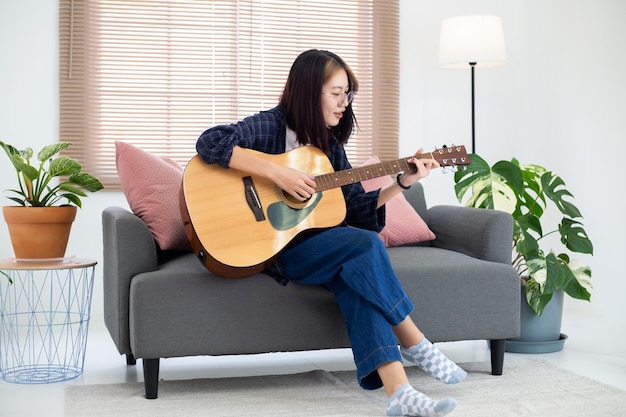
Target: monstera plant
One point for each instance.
(528, 192)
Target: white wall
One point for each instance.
(559, 102)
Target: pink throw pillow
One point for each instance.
(403, 225)
(152, 185)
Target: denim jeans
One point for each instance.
(353, 264)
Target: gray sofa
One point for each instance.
(162, 304)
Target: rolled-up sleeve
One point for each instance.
(361, 208)
(264, 131)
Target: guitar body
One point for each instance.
(237, 222)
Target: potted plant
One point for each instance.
(51, 187)
(527, 192)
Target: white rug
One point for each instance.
(529, 387)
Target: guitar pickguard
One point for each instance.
(282, 217)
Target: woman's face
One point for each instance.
(334, 91)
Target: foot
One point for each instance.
(432, 361)
(407, 401)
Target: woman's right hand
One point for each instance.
(298, 184)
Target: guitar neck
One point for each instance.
(350, 176)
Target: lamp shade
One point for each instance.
(477, 39)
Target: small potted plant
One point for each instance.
(527, 192)
(51, 187)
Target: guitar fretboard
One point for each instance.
(446, 156)
(337, 179)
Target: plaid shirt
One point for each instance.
(266, 132)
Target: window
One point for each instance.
(158, 73)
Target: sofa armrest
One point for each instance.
(129, 249)
(481, 233)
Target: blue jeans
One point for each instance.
(353, 264)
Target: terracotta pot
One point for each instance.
(39, 232)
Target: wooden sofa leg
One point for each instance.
(130, 359)
(497, 355)
(151, 377)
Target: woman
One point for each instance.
(315, 110)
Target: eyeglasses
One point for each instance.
(341, 97)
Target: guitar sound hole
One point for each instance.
(292, 201)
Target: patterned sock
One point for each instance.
(407, 401)
(432, 361)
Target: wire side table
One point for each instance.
(44, 319)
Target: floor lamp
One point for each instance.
(475, 41)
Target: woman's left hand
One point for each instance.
(408, 177)
(423, 167)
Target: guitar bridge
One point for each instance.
(252, 198)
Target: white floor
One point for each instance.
(103, 365)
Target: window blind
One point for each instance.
(156, 74)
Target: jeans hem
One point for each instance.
(366, 369)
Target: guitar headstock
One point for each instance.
(451, 156)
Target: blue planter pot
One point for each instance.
(539, 334)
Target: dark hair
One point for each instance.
(302, 99)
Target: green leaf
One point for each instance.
(19, 201)
(87, 181)
(574, 237)
(49, 151)
(554, 188)
(511, 173)
(73, 198)
(28, 170)
(558, 274)
(550, 274)
(63, 166)
(491, 189)
(580, 286)
(530, 222)
(537, 270)
(478, 169)
(535, 298)
(527, 245)
(66, 186)
(10, 150)
(532, 199)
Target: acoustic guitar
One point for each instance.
(237, 222)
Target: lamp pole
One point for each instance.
(472, 66)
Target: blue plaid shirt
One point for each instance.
(266, 132)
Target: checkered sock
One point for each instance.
(407, 401)
(432, 361)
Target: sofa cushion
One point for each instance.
(403, 224)
(152, 186)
